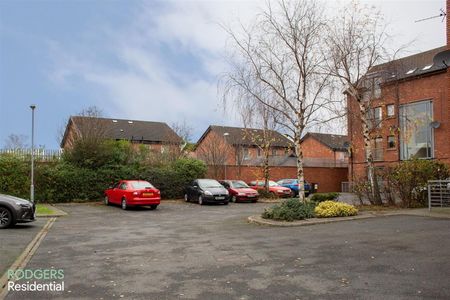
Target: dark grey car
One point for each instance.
(206, 191)
(15, 210)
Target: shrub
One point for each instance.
(328, 209)
(320, 197)
(290, 210)
(14, 176)
(409, 179)
(172, 180)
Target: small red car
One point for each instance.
(274, 188)
(133, 193)
(240, 191)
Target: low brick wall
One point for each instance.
(329, 179)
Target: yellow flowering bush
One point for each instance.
(329, 209)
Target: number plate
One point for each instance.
(220, 198)
(251, 196)
(147, 194)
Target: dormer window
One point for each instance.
(411, 71)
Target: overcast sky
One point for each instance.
(142, 60)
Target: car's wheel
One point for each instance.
(6, 218)
(226, 203)
(233, 199)
(273, 195)
(124, 204)
(254, 201)
(106, 200)
(186, 197)
(154, 206)
(200, 200)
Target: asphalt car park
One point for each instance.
(188, 251)
(15, 239)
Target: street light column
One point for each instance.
(33, 107)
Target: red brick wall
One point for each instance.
(315, 149)
(434, 87)
(329, 179)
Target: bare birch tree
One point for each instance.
(256, 115)
(279, 62)
(214, 153)
(356, 40)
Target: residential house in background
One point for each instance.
(325, 150)
(409, 112)
(232, 150)
(157, 136)
(221, 145)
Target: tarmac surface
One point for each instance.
(188, 251)
(14, 240)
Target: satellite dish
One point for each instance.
(435, 124)
(442, 59)
(346, 144)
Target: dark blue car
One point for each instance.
(293, 185)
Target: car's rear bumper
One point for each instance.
(144, 201)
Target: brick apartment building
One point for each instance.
(409, 114)
(221, 145)
(157, 136)
(322, 149)
(231, 150)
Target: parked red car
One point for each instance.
(133, 193)
(274, 188)
(239, 191)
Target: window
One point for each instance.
(374, 117)
(390, 110)
(274, 152)
(123, 186)
(259, 152)
(163, 149)
(416, 134)
(245, 153)
(391, 142)
(372, 86)
(377, 149)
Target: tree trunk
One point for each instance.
(266, 171)
(300, 174)
(371, 176)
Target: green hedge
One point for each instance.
(66, 182)
(14, 176)
(290, 210)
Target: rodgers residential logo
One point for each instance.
(50, 280)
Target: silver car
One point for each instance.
(15, 210)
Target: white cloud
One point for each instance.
(139, 79)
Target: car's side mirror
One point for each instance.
(195, 186)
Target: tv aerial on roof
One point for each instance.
(442, 14)
(442, 58)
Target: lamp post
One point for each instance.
(226, 155)
(33, 107)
